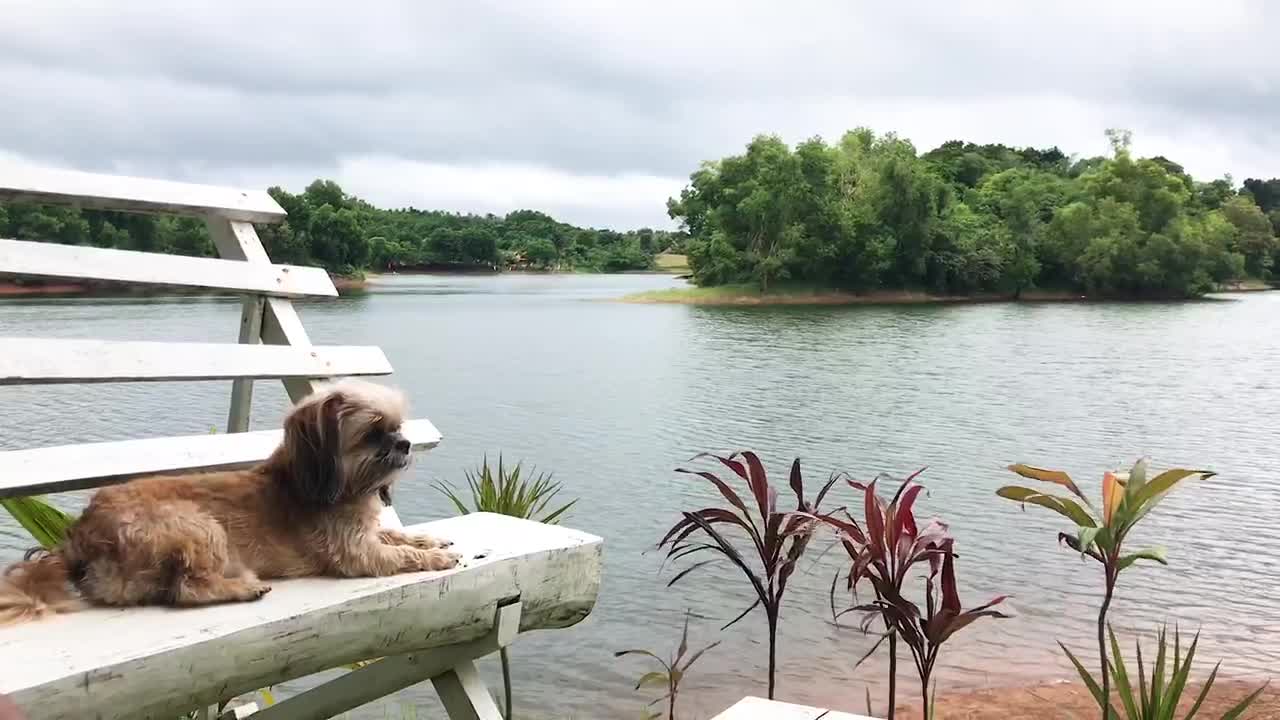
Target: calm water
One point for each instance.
(612, 397)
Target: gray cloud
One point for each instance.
(413, 101)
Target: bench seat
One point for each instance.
(158, 662)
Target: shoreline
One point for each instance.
(729, 297)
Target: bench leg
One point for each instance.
(463, 694)
(450, 668)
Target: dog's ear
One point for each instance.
(314, 444)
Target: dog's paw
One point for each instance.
(254, 591)
(438, 559)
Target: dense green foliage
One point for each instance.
(345, 234)
(870, 212)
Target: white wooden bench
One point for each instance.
(160, 662)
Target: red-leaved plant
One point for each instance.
(884, 548)
(776, 538)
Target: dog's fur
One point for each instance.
(310, 509)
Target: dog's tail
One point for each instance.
(38, 586)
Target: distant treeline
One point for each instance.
(346, 235)
(870, 212)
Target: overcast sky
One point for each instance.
(597, 111)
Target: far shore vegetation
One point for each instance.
(869, 214)
(864, 219)
(348, 236)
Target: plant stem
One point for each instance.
(1102, 645)
(773, 648)
(506, 681)
(671, 700)
(893, 672)
(924, 696)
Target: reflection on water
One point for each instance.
(611, 397)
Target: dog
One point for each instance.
(311, 508)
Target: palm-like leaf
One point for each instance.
(1066, 507)
(47, 524)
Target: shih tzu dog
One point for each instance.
(311, 508)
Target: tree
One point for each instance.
(1255, 238)
(1213, 194)
(1266, 193)
(336, 240)
(541, 252)
(1024, 200)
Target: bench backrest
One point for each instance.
(272, 341)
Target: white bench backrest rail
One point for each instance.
(134, 194)
(272, 342)
(77, 262)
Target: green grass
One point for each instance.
(672, 263)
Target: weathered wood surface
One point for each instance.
(754, 708)
(37, 471)
(157, 662)
(134, 194)
(77, 262)
(46, 361)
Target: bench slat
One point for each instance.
(43, 361)
(78, 262)
(38, 471)
(134, 194)
(158, 662)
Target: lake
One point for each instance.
(613, 397)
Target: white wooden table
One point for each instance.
(754, 708)
(153, 662)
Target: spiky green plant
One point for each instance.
(1158, 694)
(47, 524)
(511, 493)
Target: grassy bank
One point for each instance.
(798, 294)
(672, 263)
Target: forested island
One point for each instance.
(869, 214)
(347, 236)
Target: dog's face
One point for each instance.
(343, 442)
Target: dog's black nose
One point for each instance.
(402, 445)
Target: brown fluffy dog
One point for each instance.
(310, 509)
